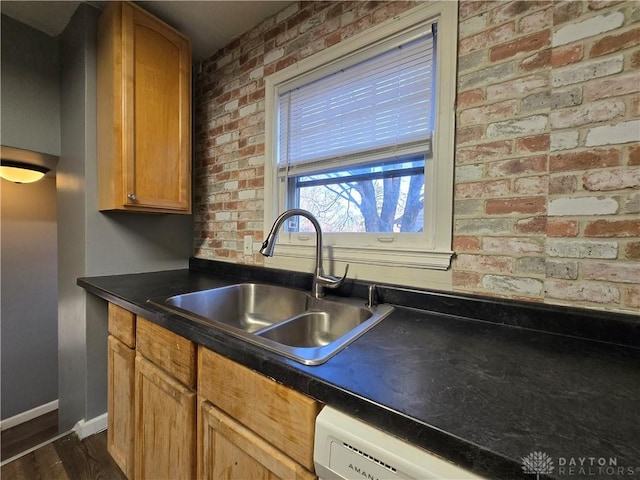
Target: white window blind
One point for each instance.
(380, 108)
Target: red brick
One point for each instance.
(627, 272)
(539, 61)
(469, 134)
(635, 59)
(535, 185)
(536, 21)
(517, 88)
(492, 263)
(333, 38)
(466, 244)
(562, 228)
(469, 98)
(574, 291)
(612, 87)
(531, 43)
(512, 244)
(517, 166)
(635, 106)
(600, 4)
(615, 43)
(633, 296)
(509, 10)
(537, 143)
(465, 280)
(532, 225)
(486, 38)
(356, 27)
(562, 184)
(634, 155)
(632, 250)
(489, 113)
(515, 205)
(364, 8)
(566, 55)
(566, 12)
(334, 10)
(391, 10)
(483, 152)
(473, 7)
(325, 28)
(495, 188)
(297, 18)
(285, 62)
(590, 113)
(611, 179)
(613, 228)
(584, 160)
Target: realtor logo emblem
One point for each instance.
(537, 463)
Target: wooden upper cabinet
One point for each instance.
(144, 113)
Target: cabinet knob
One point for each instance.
(132, 197)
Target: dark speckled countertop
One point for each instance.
(483, 392)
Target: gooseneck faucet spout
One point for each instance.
(320, 280)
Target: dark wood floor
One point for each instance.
(66, 459)
(27, 435)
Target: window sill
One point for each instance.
(384, 257)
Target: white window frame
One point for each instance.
(433, 250)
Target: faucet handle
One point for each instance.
(329, 281)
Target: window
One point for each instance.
(361, 135)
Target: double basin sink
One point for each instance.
(284, 320)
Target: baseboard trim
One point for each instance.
(86, 428)
(28, 415)
(33, 449)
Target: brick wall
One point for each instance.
(547, 199)
(547, 174)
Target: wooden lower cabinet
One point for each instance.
(279, 414)
(228, 450)
(165, 427)
(120, 403)
(239, 425)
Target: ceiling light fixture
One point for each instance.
(19, 172)
(25, 166)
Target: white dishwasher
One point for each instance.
(348, 449)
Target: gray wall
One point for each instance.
(93, 243)
(29, 296)
(30, 98)
(30, 119)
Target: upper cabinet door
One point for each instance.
(144, 113)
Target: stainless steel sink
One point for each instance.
(247, 306)
(284, 320)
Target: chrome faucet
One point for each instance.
(320, 280)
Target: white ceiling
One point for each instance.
(209, 24)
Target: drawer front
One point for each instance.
(122, 325)
(228, 449)
(174, 354)
(279, 414)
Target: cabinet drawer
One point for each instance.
(230, 450)
(122, 325)
(174, 354)
(280, 415)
